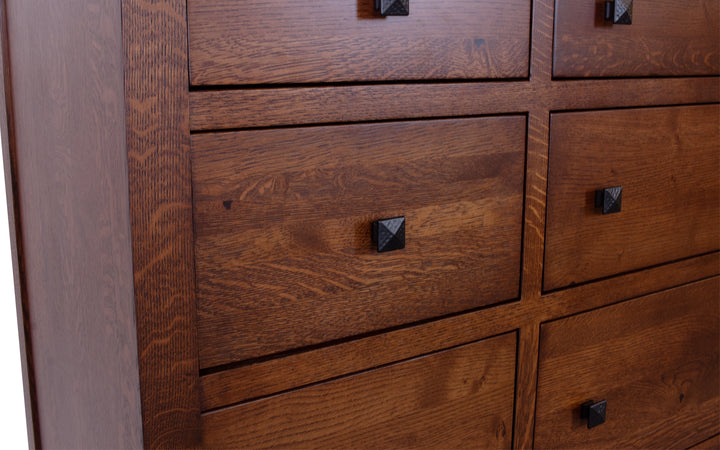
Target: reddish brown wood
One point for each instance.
(289, 372)
(282, 222)
(458, 398)
(158, 158)
(225, 109)
(655, 361)
(295, 41)
(155, 64)
(667, 37)
(525, 385)
(70, 203)
(666, 160)
(710, 444)
(7, 133)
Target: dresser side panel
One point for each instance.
(71, 206)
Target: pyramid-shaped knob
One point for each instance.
(594, 413)
(389, 234)
(393, 7)
(609, 200)
(619, 11)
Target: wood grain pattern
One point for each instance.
(666, 38)
(227, 109)
(282, 222)
(667, 161)
(534, 224)
(655, 361)
(292, 371)
(710, 444)
(295, 41)
(525, 385)
(158, 159)
(459, 398)
(7, 135)
(69, 170)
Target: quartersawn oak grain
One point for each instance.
(284, 255)
(458, 398)
(297, 41)
(666, 160)
(666, 38)
(249, 108)
(655, 361)
(158, 161)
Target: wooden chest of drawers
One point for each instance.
(197, 190)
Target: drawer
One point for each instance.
(457, 398)
(666, 38)
(283, 218)
(665, 159)
(235, 42)
(654, 360)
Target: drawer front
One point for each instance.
(667, 162)
(235, 42)
(666, 38)
(653, 359)
(284, 250)
(458, 398)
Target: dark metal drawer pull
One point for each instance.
(594, 412)
(609, 199)
(619, 11)
(389, 234)
(393, 7)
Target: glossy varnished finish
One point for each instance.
(296, 41)
(283, 218)
(655, 361)
(63, 72)
(666, 38)
(158, 161)
(458, 398)
(667, 161)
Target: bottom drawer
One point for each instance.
(461, 397)
(653, 359)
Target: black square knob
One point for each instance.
(595, 413)
(393, 7)
(609, 199)
(389, 234)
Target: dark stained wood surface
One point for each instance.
(459, 398)
(666, 159)
(283, 218)
(655, 361)
(292, 371)
(63, 73)
(158, 159)
(296, 41)
(227, 109)
(710, 444)
(666, 38)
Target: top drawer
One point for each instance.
(235, 42)
(666, 38)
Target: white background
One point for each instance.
(13, 433)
